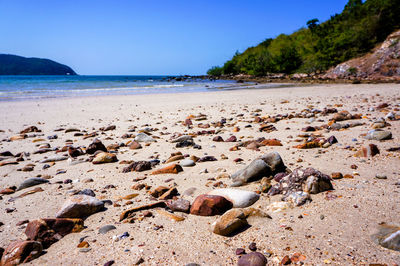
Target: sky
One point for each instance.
(149, 37)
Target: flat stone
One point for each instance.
(105, 229)
(104, 157)
(20, 251)
(230, 222)
(80, 206)
(252, 259)
(187, 163)
(378, 135)
(33, 181)
(143, 137)
(209, 205)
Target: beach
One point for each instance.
(336, 227)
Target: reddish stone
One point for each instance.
(286, 260)
(20, 251)
(135, 145)
(49, 231)
(231, 139)
(96, 145)
(271, 142)
(337, 175)
(218, 139)
(367, 151)
(29, 130)
(158, 191)
(170, 169)
(209, 205)
(7, 191)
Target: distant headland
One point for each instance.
(18, 65)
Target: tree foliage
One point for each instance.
(352, 33)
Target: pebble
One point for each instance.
(105, 229)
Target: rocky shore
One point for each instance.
(283, 176)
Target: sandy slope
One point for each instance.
(342, 237)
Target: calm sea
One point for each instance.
(39, 87)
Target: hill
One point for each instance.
(18, 65)
(320, 46)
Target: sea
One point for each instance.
(15, 88)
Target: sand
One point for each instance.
(334, 231)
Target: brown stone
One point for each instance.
(8, 162)
(18, 137)
(367, 151)
(169, 194)
(286, 260)
(175, 158)
(230, 222)
(170, 169)
(252, 259)
(130, 212)
(49, 231)
(337, 175)
(7, 191)
(135, 145)
(209, 205)
(158, 191)
(271, 142)
(20, 251)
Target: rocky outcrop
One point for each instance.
(383, 63)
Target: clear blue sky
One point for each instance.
(148, 37)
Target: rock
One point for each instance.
(187, 163)
(332, 140)
(230, 222)
(298, 198)
(179, 205)
(278, 206)
(388, 236)
(3, 163)
(6, 154)
(18, 137)
(135, 145)
(143, 137)
(271, 142)
(380, 176)
(137, 167)
(265, 166)
(286, 260)
(218, 139)
(209, 205)
(29, 130)
(367, 151)
(49, 231)
(169, 194)
(182, 139)
(107, 128)
(7, 191)
(54, 159)
(175, 158)
(75, 152)
(231, 139)
(87, 192)
(254, 171)
(252, 259)
(96, 145)
(30, 182)
(107, 228)
(171, 216)
(80, 206)
(19, 252)
(104, 157)
(378, 135)
(307, 180)
(337, 175)
(171, 169)
(207, 158)
(130, 212)
(239, 198)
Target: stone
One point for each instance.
(107, 228)
(179, 205)
(239, 198)
(218, 139)
(30, 182)
(75, 152)
(170, 169)
(3, 163)
(80, 206)
(230, 222)
(158, 191)
(87, 192)
(182, 139)
(278, 206)
(169, 194)
(286, 260)
(54, 159)
(367, 151)
(134, 145)
(143, 137)
(388, 236)
(49, 231)
(307, 180)
(128, 213)
(271, 142)
(175, 158)
(104, 157)
(231, 139)
(171, 216)
(30, 130)
(378, 135)
(337, 175)
(96, 145)
(20, 251)
(7, 191)
(207, 158)
(298, 198)
(209, 205)
(139, 166)
(265, 166)
(187, 163)
(252, 259)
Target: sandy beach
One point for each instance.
(336, 227)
